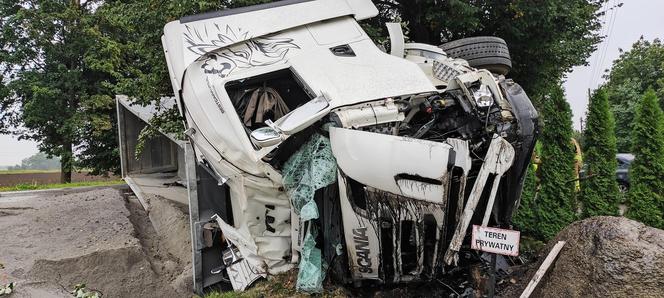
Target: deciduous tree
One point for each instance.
(53, 89)
(631, 75)
(546, 38)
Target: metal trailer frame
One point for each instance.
(204, 195)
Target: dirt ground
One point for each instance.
(51, 242)
(47, 178)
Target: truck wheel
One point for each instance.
(485, 52)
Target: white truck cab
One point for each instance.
(333, 152)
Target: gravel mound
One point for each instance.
(604, 257)
(53, 241)
(123, 272)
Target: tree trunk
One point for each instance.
(66, 164)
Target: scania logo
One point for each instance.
(362, 250)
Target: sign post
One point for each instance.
(492, 277)
(495, 241)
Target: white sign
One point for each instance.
(494, 240)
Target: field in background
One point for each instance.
(29, 179)
(20, 187)
(5, 172)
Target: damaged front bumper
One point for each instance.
(396, 202)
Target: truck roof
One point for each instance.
(189, 38)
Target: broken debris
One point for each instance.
(311, 168)
(6, 289)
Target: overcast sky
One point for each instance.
(633, 19)
(13, 151)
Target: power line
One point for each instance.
(600, 69)
(608, 42)
(603, 32)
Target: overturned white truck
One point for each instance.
(330, 155)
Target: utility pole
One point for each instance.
(581, 118)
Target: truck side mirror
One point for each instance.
(292, 123)
(265, 137)
(304, 116)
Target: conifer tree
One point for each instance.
(526, 217)
(599, 192)
(556, 201)
(647, 170)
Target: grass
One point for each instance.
(27, 186)
(4, 172)
(530, 247)
(281, 286)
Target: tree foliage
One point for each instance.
(599, 193)
(556, 199)
(631, 75)
(647, 170)
(546, 38)
(62, 62)
(54, 90)
(526, 218)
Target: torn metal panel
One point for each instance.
(397, 166)
(242, 263)
(242, 275)
(497, 161)
(464, 162)
(391, 238)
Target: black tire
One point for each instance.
(485, 52)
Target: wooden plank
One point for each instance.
(542, 269)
